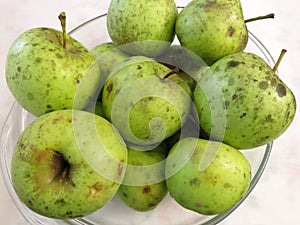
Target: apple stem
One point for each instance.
(283, 51)
(268, 16)
(62, 17)
(64, 173)
(174, 70)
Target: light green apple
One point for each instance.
(68, 163)
(141, 27)
(48, 70)
(144, 184)
(212, 29)
(242, 102)
(144, 101)
(205, 176)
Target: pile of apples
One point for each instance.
(142, 116)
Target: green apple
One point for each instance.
(144, 100)
(144, 184)
(48, 70)
(212, 29)
(68, 163)
(241, 101)
(141, 27)
(205, 176)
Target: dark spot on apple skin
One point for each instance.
(199, 205)
(227, 185)
(243, 115)
(109, 88)
(58, 118)
(124, 194)
(281, 90)
(227, 104)
(231, 31)
(60, 202)
(38, 60)
(146, 190)
(195, 182)
(30, 96)
(263, 85)
(231, 81)
(58, 55)
(233, 63)
(269, 118)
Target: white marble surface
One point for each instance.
(276, 198)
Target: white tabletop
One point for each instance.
(276, 198)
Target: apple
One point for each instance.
(144, 184)
(205, 176)
(142, 27)
(145, 101)
(68, 163)
(48, 70)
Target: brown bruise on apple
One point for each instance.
(97, 187)
(53, 169)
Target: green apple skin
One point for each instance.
(254, 107)
(108, 55)
(144, 183)
(142, 27)
(212, 189)
(68, 137)
(190, 65)
(144, 106)
(212, 29)
(43, 76)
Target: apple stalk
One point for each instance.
(268, 16)
(62, 17)
(283, 51)
(64, 168)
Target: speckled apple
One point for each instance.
(206, 177)
(144, 183)
(244, 101)
(142, 27)
(44, 76)
(68, 164)
(212, 29)
(145, 102)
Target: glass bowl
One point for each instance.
(168, 212)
